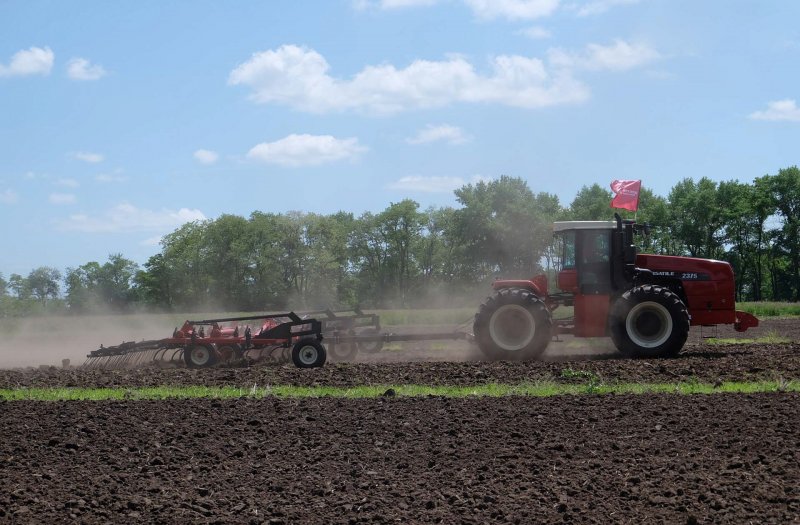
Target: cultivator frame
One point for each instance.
(282, 337)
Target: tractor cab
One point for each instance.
(585, 267)
(598, 261)
(597, 257)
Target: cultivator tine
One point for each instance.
(126, 355)
(92, 363)
(134, 358)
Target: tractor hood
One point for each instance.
(686, 268)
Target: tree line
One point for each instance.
(405, 256)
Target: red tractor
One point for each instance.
(645, 303)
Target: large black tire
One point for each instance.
(513, 325)
(649, 321)
(199, 356)
(308, 353)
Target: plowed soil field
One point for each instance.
(721, 458)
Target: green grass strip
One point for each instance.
(537, 389)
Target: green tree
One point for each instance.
(592, 203)
(184, 266)
(267, 276)
(82, 286)
(435, 251)
(116, 280)
(369, 256)
(153, 284)
(328, 282)
(399, 227)
(696, 217)
(785, 188)
(43, 283)
(226, 260)
(19, 286)
(762, 206)
(501, 228)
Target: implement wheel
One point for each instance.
(370, 347)
(343, 351)
(649, 321)
(229, 353)
(308, 353)
(200, 356)
(513, 325)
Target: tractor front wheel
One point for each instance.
(513, 325)
(199, 356)
(649, 321)
(308, 353)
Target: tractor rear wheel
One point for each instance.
(649, 321)
(199, 356)
(308, 353)
(514, 325)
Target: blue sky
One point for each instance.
(121, 120)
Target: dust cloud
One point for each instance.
(48, 340)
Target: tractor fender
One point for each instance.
(537, 285)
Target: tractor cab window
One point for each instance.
(594, 268)
(567, 241)
(595, 247)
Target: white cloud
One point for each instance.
(535, 33)
(298, 77)
(81, 69)
(61, 198)
(8, 196)
(779, 110)
(597, 7)
(391, 4)
(488, 9)
(68, 183)
(204, 156)
(422, 184)
(128, 218)
(619, 56)
(111, 177)
(33, 61)
(513, 9)
(445, 133)
(91, 158)
(306, 150)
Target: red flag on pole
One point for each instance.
(627, 194)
